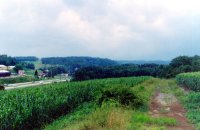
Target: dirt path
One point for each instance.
(166, 105)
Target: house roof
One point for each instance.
(2, 66)
(11, 67)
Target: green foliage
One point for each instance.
(124, 95)
(180, 61)
(54, 70)
(189, 80)
(126, 70)
(27, 65)
(192, 104)
(26, 58)
(184, 64)
(36, 73)
(113, 118)
(17, 80)
(111, 115)
(107, 118)
(18, 67)
(72, 63)
(31, 108)
(178, 65)
(78, 114)
(24, 66)
(7, 60)
(140, 117)
(192, 100)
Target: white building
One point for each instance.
(5, 70)
(3, 67)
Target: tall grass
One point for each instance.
(34, 107)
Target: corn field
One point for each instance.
(31, 108)
(192, 99)
(192, 105)
(189, 80)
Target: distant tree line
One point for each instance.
(125, 70)
(84, 68)
(26, 58)
(24, 63)
(73, 63)
(182, 64)
(140, 62)
(19, 63)
(23, 66)
(178, 65)
(7, 60)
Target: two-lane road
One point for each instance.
(31, 84)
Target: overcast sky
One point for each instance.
(116, 29)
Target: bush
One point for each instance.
(124, 95)
(17, 80)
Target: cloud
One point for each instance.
(128, 29)
(70, 21)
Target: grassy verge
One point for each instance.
(17, 80)
(143, 121)
(110, 117)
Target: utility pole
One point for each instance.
(51, 71)
(60, 73)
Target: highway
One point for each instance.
(31, 84)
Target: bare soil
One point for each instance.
(167, 105)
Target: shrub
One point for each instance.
(124, 95)
(17, 80)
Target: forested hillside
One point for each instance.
(78, 61)
(140, 62)
(178, 65)
(7, 60)
(26, 58)
(118, 71)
